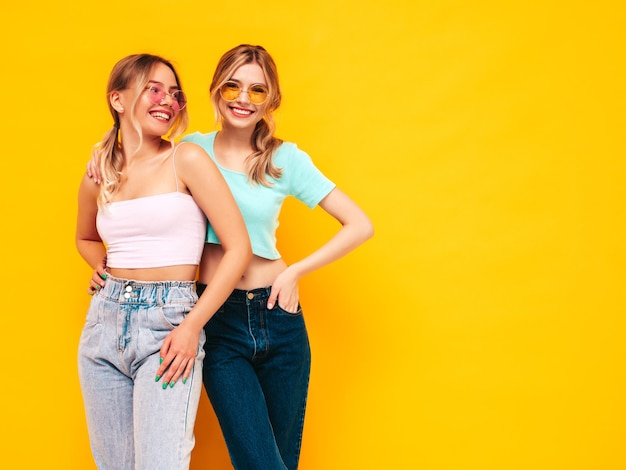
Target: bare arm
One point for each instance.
(93, 170)
(202, 178)
(356, 228)
(88, 242)
(211, 193)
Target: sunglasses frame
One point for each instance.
(241, 90)
(156, 90)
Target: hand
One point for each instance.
(285, 292)
(93, 170)
(98, 277)
(178, 355)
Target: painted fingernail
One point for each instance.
(184, 381)
(164, 385)
(160, 360)
(97, 287)
(156, 379)
(103, 275)
(172, 383)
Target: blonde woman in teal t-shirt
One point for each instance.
(257, 362)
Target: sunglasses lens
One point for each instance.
(258, 94)
(156, 94)
(230, 91)
(180, 99)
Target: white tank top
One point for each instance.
(153, 231)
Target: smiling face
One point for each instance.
(154, 112)
(145, 97)
(241, 113)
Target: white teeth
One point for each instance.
(161, 116)
(243, 112)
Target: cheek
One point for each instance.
(222, 108)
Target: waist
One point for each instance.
(259, 272)
(183, 272)
(242, 295)
(148, 292)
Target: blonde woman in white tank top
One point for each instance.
(141, 349)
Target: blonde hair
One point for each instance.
(259, 162)
(133, 70)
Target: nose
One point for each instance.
(169, 99)
(241, 98)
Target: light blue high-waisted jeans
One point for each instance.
(134, 423)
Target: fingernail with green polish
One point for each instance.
(156, 379)
(103, 276)
(172, 383)
(160, 360)
(184, 381)
(164, 385)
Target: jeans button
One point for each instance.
(127, 295)
(250, 295)
(129, 289)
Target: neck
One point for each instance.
(136, 149)
(233, 138)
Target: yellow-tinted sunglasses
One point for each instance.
(231, 90)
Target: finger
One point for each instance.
(180, 370)
(99, 277)
(96, 280)
(174, 371)
(164, 361)
(271, 300)
(187, 372)
(289, 308)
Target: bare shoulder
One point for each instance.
(192, 162)
(88, 188)
(188, 153)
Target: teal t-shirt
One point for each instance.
(260, 205)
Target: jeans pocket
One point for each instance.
(161, 320)
(287, 312)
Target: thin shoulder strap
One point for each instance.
(174, 164)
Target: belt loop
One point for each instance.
(159, 295)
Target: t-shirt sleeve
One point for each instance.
(306, 182)
(195, 138)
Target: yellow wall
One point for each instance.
(482, 328)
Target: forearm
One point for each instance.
(228, 272)
(93, 252)
(347, 239)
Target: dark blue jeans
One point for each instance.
(256, 373)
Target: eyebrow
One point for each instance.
(175, 87)
(252, 84)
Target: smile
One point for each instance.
(160, 115)
(241, 112)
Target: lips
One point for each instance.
(241, 111)
(161, 115)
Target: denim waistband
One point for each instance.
(240, 295)
(150, 292)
